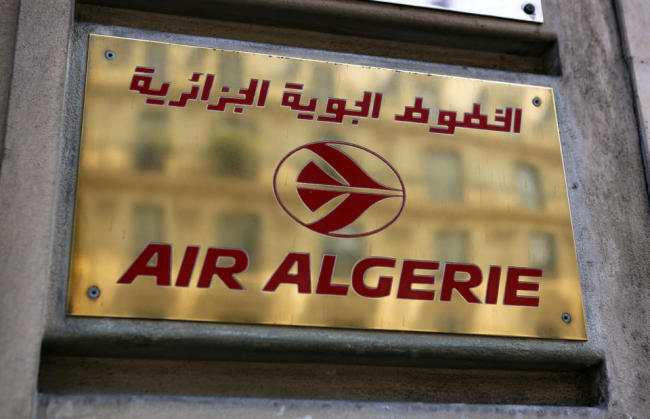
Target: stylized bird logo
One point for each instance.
(316, 188)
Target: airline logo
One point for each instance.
(331, 188)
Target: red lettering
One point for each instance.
(383, 284)
(408, 278)
(449, 282)
(162, 270)
(493, 285)
(513, 285)
(324, 285)
(282, 276)
(187, 266)
(225, 273)
(156, 261)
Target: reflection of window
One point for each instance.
(195, 57)
(149, 156)
(452, 246)
(230, 70)
(239, 230)
(444, 176)
(529, 186)
(151, 148)
(157, 58)
(541, 250)
(323, 81)
(291, 70)
(153, 121)
(392, 86)
(232, 157)
(348, 252)
(148, 226)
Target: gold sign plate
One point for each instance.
(235, 187)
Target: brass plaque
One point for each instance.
(236, 187)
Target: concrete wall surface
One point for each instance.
(202, 408)
(53, 366)
(8, 20)
(27, 192)
(634, 17)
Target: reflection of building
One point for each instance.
(183, 180)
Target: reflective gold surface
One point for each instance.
(194, 176)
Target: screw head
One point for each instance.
(537, 101)
(529, 8)
(566, 318)
(93, 292)
(109, 55)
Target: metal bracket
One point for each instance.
(525, 10)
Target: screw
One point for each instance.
(529, 8)
(566, 318)
(537, 101)
(109, 54)
(93, 292)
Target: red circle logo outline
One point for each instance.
(399, 178)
